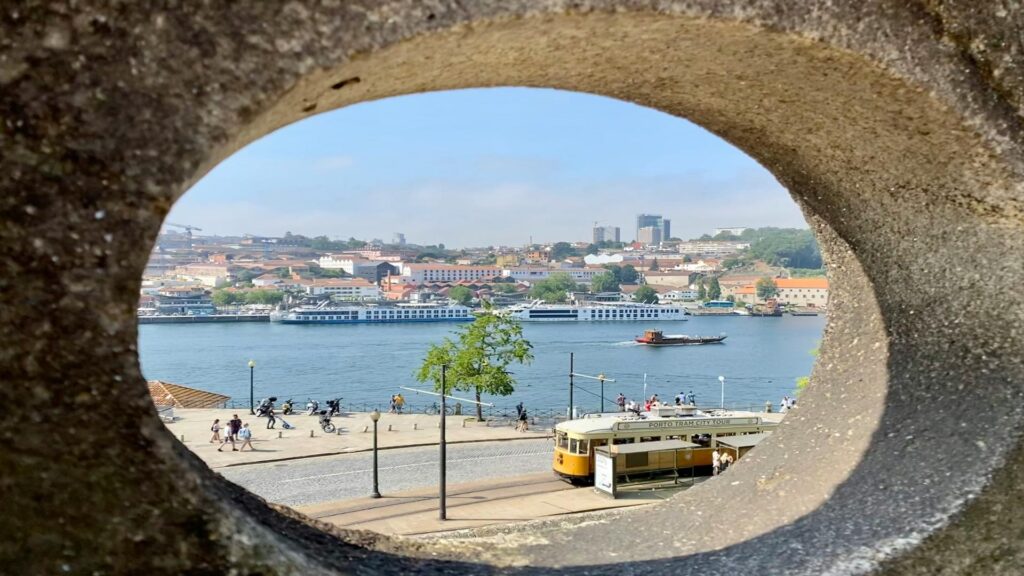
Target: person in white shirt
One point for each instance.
(246, 435)
(716, 462)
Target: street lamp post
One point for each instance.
(252, 400)
(601, 378)
(375, 416)
(721, 379)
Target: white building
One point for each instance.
(345, 288)
(712, 248)
(422, 273)
(687, 295)
(735, 231)
(533, 274)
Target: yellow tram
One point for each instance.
(575, 440)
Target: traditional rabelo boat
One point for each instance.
(656, 338)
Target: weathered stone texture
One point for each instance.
(896, 125)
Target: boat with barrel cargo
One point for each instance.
(656, 338)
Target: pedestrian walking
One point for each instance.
(519, 410)
(392, 405)
(271, 420)
(215, 428)
(399, 402)
(524, 423)
(621, 402)
(234, 425)
(716, 462)
(246, 435)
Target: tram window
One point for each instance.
(649, 438)
(622, 441)
(582, 447)
(563, 440)
(572, 446)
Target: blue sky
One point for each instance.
(485, 167)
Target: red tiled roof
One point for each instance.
(168, 394)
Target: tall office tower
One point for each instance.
(653, 221)
(649, 236)
(606, 234)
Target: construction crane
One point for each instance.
(188, 231)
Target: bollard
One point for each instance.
(279, 434)
(310, 433)
(182, 438)
(339, 431)
(365, 429)
(415, 426)
(389, 428)
(463, 423)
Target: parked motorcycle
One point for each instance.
(286, 408)
(312, 407)
(325, 422)
(266, 405)
(334, 407)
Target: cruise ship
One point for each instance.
(372, 314)
(611, 312)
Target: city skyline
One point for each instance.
(485, 167)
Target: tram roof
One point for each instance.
(608, 423)
(743, 440)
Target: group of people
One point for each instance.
(397, 404)
(720, 462)
(522, 420)
(235, 431)
(626, 405)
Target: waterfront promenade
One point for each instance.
(281, 445)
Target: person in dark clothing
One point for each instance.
(234, 425)
(519, 410)
(271, 420)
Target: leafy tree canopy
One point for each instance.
(554, 288)
(562, 250)
(604, 282)
(714, 289)
(645, 294)
(477, 359)
(461, 294)
(766, 288)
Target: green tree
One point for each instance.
(766, 288)
(629, 274)
(264, 297)
(461, 294)
(654, 265)
(562, 250)
(686, 258)
(224, 298)
(604, 282)
(646, 294)
(592, 249)
(554, 288)
(478, 357)
(702, 292)
(714, 289)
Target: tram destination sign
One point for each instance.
(687, 423)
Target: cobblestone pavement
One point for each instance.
(314, 480)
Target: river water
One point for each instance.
(365, 364)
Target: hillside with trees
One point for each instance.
(788, 247)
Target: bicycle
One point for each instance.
(435, 408)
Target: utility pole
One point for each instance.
(570, 384)
(443, 480)
(443, 477)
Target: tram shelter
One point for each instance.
(622, 460)
(742, 443)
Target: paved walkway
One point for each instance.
(355, 434)
(482, 503)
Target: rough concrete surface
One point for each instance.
(896, 125)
